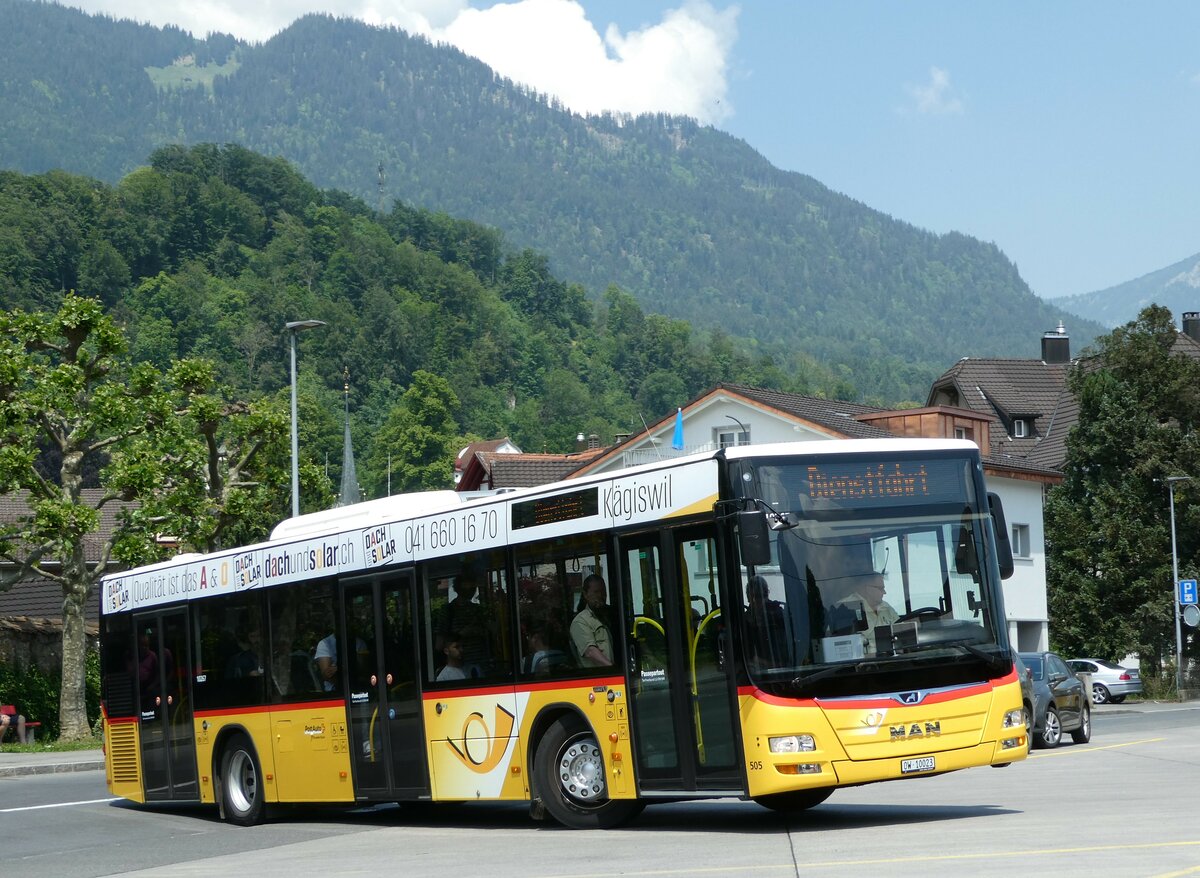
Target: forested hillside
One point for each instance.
(210, 250)
(692, 222)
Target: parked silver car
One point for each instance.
(1059, 701)
(1109, 682)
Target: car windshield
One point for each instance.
(1035, 665)
(856, 581)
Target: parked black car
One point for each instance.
(1060, 703)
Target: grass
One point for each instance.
(51, 746)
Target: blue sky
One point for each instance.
(1066, 133)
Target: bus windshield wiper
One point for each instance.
(802, 680)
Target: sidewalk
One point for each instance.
(13, 764)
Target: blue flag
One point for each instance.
(677, 442)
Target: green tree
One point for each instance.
(170, 453)
(1107, 524)
(421, 437)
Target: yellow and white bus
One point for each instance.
(429, 648)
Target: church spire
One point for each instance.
(349, 493)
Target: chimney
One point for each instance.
(593, 442)
(1191, 325)
(580, 442)
(1056, 346)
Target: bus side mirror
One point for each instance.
(754, 537)
(1003, 545)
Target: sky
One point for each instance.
(1066, 133)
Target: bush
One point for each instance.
(36, 695)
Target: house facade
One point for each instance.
(732, 414)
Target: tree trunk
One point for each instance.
(72, 704)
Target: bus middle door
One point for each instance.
(386, 732)
(680, 681)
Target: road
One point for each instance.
(1120, 806)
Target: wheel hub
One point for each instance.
(581, 771)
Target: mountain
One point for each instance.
(1176, 287)
(691, 221)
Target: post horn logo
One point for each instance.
(483, 751)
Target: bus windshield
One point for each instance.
(877, 567)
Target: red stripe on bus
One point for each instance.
(602, 683)
(872, 703)
(267, 708)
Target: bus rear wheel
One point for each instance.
(796, 800)
(241, 783)
(569, 770)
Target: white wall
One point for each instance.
(1025, 590)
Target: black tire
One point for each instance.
(570, 778)
(1083, 734)
(796, 800)
(1116, 699)
(242, 794)
(1051, 734)
(1028, 712)
(1100, 694)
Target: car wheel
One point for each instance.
(1051, 735)
(1100, 694)
(1117, 699)
(569, 769)
(1083, 734)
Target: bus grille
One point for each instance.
(122, 748)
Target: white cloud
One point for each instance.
(678, 65)
(938, 97)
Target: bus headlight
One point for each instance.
(792, 744)
(1014, 718)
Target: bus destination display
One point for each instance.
(874, 483)
(551, 510)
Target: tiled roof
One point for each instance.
(833, 414)
(1007, 389)
(528, 470)
(15, 505)
(29, 603)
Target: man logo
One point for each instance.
(910, 697)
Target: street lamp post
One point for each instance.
(294, 327)
(1171, 480)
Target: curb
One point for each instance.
(50, 768)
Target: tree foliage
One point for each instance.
(1110, 586)
(172, 457)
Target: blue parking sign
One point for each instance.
(1187, 591)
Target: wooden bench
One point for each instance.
(30, 727)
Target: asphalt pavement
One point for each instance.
(16, 763)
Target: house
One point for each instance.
(477, 456)
(31, 611)
(735, 414)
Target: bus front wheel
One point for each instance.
(796, 800)
(569, 769)
(241, 783)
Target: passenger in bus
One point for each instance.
(245, 662)
(468, 619)
(453, 654)
(591, 633)
(326, 658)
(766, 628)
(867, 601)
(540, 659)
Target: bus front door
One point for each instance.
(680, 684)
(386, 733)
(168, 739)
